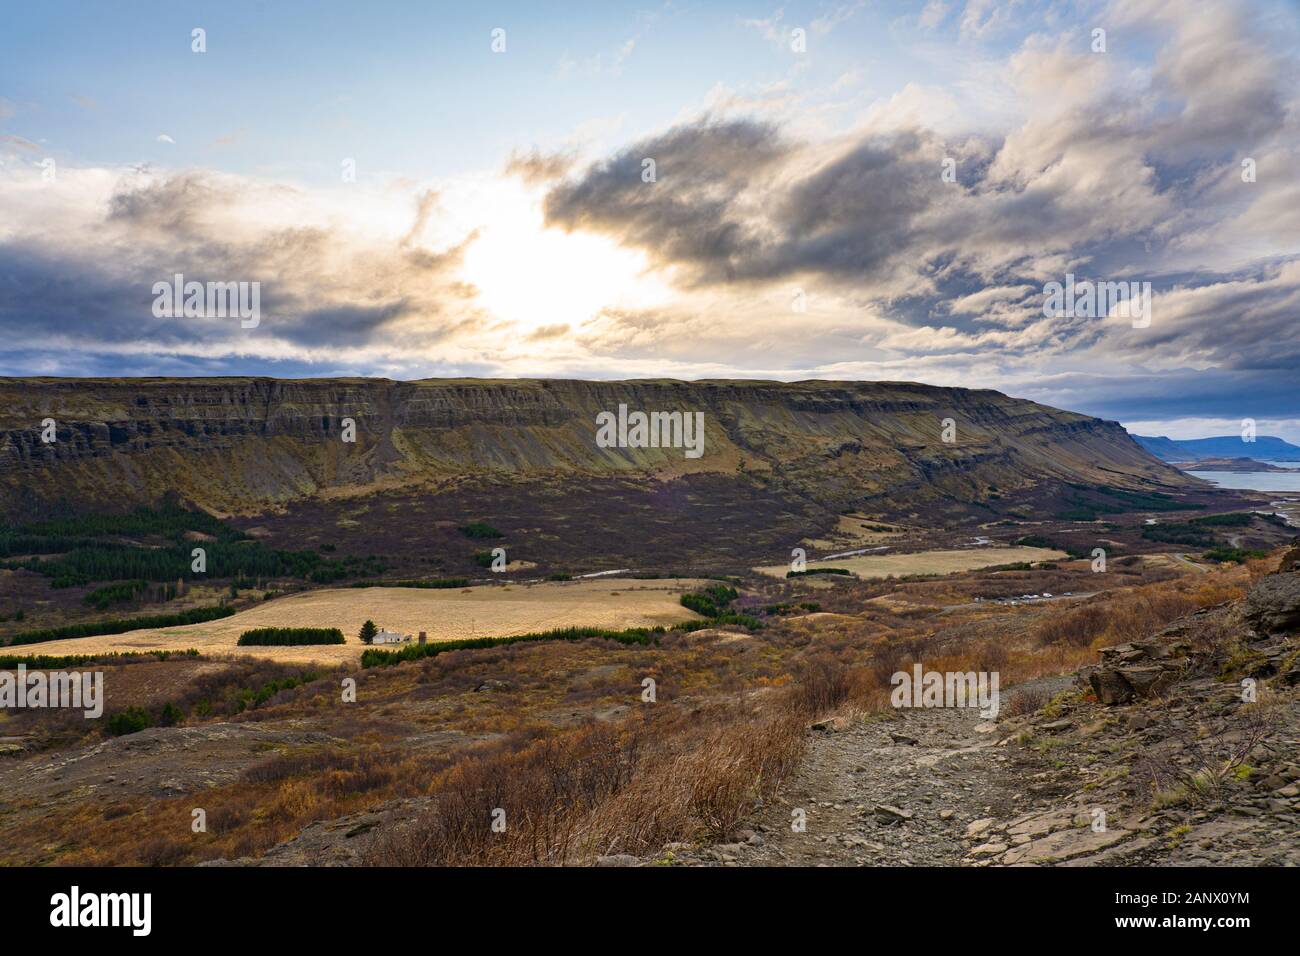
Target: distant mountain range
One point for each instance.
(1263, 448)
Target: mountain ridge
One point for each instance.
(244, 444)
(1219, 446)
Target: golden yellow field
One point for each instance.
(489, 611)
(924, 562)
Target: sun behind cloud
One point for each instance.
(539, 277)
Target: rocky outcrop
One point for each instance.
(244, 444)
(1139, 669)
(1149, 668)
(1273, 605)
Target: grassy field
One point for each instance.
(924, 562)
(489, 611)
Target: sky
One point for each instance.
(836, 190)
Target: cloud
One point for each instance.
(690, 213)
(18, 142)
(164, 138)
(535, 167)
(829, 21)
(933, 14)
(777, 191)
(983, 18)
(1112, 173)
(770, 27)
(229, 139)
(82, 272)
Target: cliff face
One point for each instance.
(246, 444)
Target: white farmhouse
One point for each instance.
(391, 637)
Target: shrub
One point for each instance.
(120, 626)
(1078, 627)
(120, 592)
(480, 530)
(374, 657)
(285, 636)
(710, 602)
(129, 721)
(715, 604)
(800, 574)
(1180, 533)
(1239, 555)
(433, 583)
(252, 699)
(744, 620)
(1236, 519)
(58, 661)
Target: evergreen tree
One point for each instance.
(368, 632)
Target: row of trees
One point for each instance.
(285, 636)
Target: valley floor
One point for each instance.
(444, 614)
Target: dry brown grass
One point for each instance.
(1133, 615)
(729, 727)
(674, 776)
(486, 611)
(924, 562)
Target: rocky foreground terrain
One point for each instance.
(1150, 757)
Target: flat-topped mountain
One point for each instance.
(243, 445)
(1220, 446)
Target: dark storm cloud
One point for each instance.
(1173, 393)
(691, 212)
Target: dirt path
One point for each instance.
(1062, 786)
(1184, 559)
(896, 791)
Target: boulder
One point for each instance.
(890, 814)
(1291, 560)
(1109, 686)
(1123, 654)
(1273, 605)
(1120, 685)
(1143, 680)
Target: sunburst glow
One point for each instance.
(534, 276)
